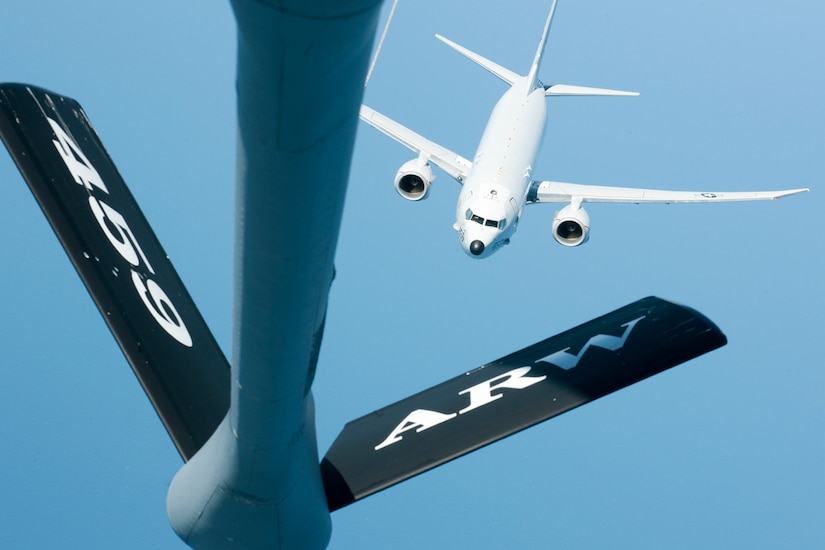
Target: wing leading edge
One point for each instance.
(452, 163)
(520, 390)
(556, 191)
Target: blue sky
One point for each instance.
(725, 451)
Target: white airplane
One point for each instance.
(498, 183)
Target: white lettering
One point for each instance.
(611, 343)
(117, 231)
(81, 169)
(481, 394)
(420, 420)
(124, 242)
(161, 308)
(516, 379)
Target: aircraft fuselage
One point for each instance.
(491, 201)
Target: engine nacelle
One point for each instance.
(571, 227)
(413, 179)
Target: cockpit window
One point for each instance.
(499, 224)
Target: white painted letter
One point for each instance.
(74, 159)
(420, 419)
(481, 394)
(124, 242)
(568, 361)
(161, 308)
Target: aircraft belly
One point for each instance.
(257, 480)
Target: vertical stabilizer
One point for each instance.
(532, 76)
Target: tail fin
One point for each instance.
(532, 79)
(130, 278)
(503, 73)
(533, 75)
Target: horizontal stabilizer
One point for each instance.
(107, 238)
(505, 74)
(503, 397)
(566, 89)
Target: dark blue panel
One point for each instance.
(511, 394)
(124, 267)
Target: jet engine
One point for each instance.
(413, 179)
(571, 227)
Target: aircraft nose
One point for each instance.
(476, 248)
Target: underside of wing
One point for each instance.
(453, 164)
(557, 191)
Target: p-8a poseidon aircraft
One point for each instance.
(498, 183)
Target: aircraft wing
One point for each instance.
(453, 164)
(557, 191)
